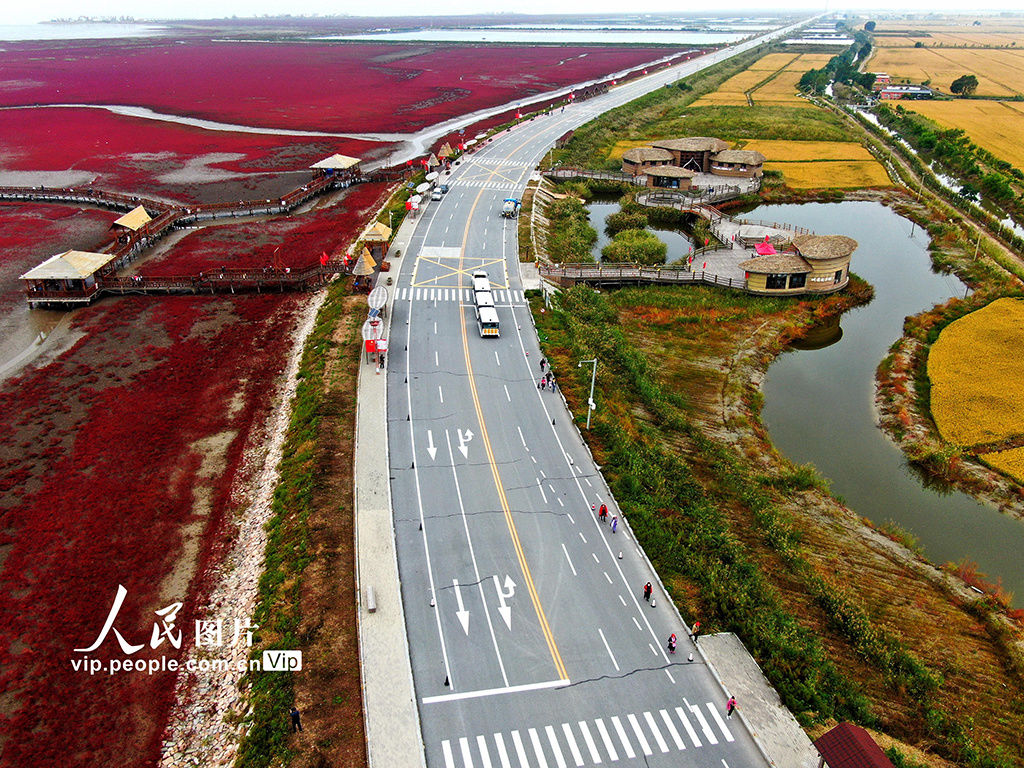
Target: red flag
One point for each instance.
(706, 241)
(519, 115)
(705, 266)
(323, 259)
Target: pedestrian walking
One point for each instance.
(730, 706)
(696, 632)
(672, 643)
(543, 362)
(296, 720)
(548, 377)
(552, 383)
(615, 523)
(541, 383)
(648, 589)
(604, 513)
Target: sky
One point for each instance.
(27, 13)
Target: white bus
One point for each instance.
(486, 314)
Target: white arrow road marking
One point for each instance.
(464, 437)
(509, 591)
(431, 448)
(462, 613)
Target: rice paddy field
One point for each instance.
(771, 80)
(1000, 72)
(951, 31)
(975, 372)
(1011, 462)
(993, 125)
(804, 151)
(832, 174)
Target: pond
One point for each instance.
(600, 208)
(819, 400)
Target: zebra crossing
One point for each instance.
(592, 742)
(499, 162)
(500, 184)
(464, 295)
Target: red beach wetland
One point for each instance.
(337, 87)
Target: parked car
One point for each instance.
(436, 195)
(444, 189)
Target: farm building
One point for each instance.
(892, 92)
(640, 160)
(738, 162)
(817, 264)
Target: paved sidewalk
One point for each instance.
(390, 714)
(772, 725)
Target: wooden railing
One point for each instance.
(633, 273)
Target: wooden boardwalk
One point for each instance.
(632, 274)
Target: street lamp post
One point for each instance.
(593, 378)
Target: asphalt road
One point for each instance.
(531, 642)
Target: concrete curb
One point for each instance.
(390, 713)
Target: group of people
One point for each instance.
(602, 515)
(547, 379)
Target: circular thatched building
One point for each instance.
(818, 264)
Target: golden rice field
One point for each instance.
(796, 151)
(1011, 462)
(951, 31)
(997, 126)
(999, 72)
(621, 147)
(831, 174)
(780, 89)
(976, 370)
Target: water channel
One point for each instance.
(819, 398)
(600, 208)
(818, 403)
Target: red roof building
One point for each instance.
(850, 746)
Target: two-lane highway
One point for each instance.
(531, 642)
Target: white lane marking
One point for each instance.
(680, 744)
(653, 649)
(622, 599)
(552, 489)
(708, 733)
(568, 560)
(437, 363)
(485, 758)
(608, 577)
(626, 746)
(522, 439)
(594, 555)
(595, 756)
(571, 519)
(542, 474)
(496, 358)
(637, 624)
(654, 729)
(586, 480)
(541, 489)
(639, 734)
(687, 726)
(502, 753)
(562, 504)
(670, 677)
(535, 740)
(550, 731)
(494, 691)
(533, 457)
(573, 747)
(449, 759)
(583, 538)
(721, 723)
(608, 745)
(507, 395)
(440, 392)
(472, 557)
(432, 296)
(435, 327)
(607, 648)
(467, 756)
(725, 763)
(520, 751)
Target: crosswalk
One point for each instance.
(499, 184)
(495, 162)
(592, 742)
(464, 295)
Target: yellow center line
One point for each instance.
(485, 439)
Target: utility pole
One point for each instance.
(593, 378)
